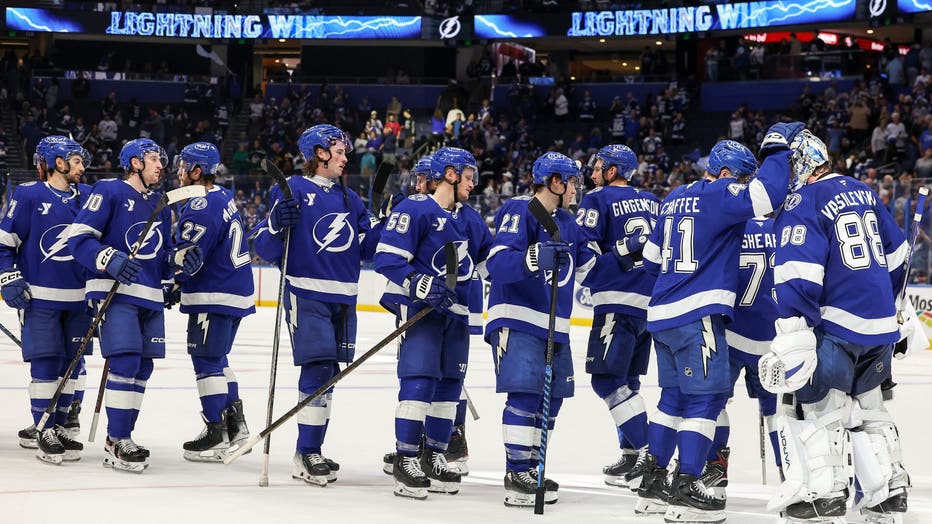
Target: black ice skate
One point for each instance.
(653, 491)
(334, 467)
(715, 474)
(442, 478)
(311, 468)
(458, 452)
(73, 424)
(830, 509)
(645, 463)
(520, 488)
(125, 455)
(27, 437)
(615, 473)
(212, 445)
(692, 501)
(550, 487)
(889, 511)
(388, 462)
(410, 480)
(72, 447)
(237, 431)
(50, 448)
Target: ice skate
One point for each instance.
(692, 501)
(442, 478)
(50, 449)
(311, 468)
(550, 487)
(890, 511)
(27, 437)
(830, 509)
(410, 480)
(615, 473)
(72, 447)
(212, 445)
(334, 467)
(73, 423)
(125, 455)
(715, 474)
(645, 463)
(237, 431)
(388, 462)
(653, 491)
(457, 453)
(520, 488)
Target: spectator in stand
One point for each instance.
(367, 162)
(587, 107)
(389, 146)
(391, 123)
(895, 135)
(109, 130)
(879, 141)
(241, 159)
(736, 127)
(360, 144)
(374, 124)
(651, 143)
(393, 109)
(925, 138)
(858, 121)
(678, 129)
(923, 167)
(561, 106)
(257, 107)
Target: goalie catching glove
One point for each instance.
(792, 358)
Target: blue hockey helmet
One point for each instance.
(201, 154)
(137, 149)
(809, 152)
(618, 155)
(458, 159)
(553, 163)
(324, 136)
(733, 155)
(52, 147)
(423, 166)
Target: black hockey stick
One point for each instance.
(10, 334)
(902, 346)
(171, 197)
(378, 185)
(452, 260)
(540, 213)
(282, 182)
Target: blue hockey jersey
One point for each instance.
(755, 311)
(605, 215)
(413, 242)
(34, 239)
(328, 245)
(520, 300)
(114, 215)
(224, 283)
(694, 248)
(840, 261)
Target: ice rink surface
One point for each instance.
(173, 490)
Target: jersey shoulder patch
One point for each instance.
(418, 198)
(792, 200)
(28, 184)
(522, 197)
(198, 204)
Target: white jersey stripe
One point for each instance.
(528, 315)
(747, 345)
(691, 303)
(623, 298)
(864, 326)
(793, 269)
(332, 287)
(760, 200)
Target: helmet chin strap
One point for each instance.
(559, 195)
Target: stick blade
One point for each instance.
(183, 193)
(453, 263)
(379, 182)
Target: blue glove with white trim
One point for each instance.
(14, 290)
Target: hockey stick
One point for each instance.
(546, 220)
(10, 334)
(171, 197)
(903, 345)
(378, 185)
(472, 407)
(452, 260)
(763, 451)
(282, 182)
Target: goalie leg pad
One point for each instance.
(816, 452)
(878, 456)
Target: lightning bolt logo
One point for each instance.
(606, 334)
(708, 345)
(501, 349)
(152, 230)
(153, 237)
(60, 244)
(335, 224)
(293, 317)
(204, 322)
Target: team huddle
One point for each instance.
(779, 268)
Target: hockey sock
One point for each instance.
(438, 425)
(720, 437)
(142, 377)
(460, 418)
(81, 384)
(44, 372)
(555, 404)
(67, 394)
(121, 395)
(519, 422)
(312, 419)
(661, 432)
(232, 384)
(626, 407)
(694, 438)
(414, 396)
(212, 386)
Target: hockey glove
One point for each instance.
(14, 290)
(779, 138)
(388, 204)
(792, 359)
(432, 291)
(547, 256)
(628, 251)
(284, 215)
(186, 259)
(118, 264)
(171, 293)
(908, 332)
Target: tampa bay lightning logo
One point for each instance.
(792, 201)
(584, 297)
(198, 204)
(333, 233)
(54, 244)
(564, 278)
(150, 245)
(466, 265)
(450, 28)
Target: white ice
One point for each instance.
(173, 490)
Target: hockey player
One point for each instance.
(619, 344)
(331, 233)
(215, 300)
(833, 344)
(694, 250)
(520, 266)
(132, 332)
(41, 279)
(433, 355)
